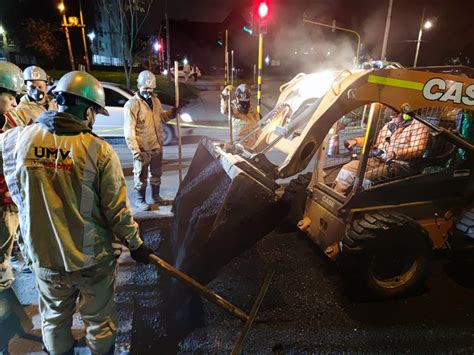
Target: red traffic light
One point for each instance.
(263, 10)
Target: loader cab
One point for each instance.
(420, 152)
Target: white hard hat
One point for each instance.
(34, 73)
(146, 79)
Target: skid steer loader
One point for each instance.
(398, 207)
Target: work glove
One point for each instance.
(376, 153)
(140, 156)
(350, 143)
(387, 156)
(174, 112)
(142, 254)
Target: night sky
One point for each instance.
(451, 34)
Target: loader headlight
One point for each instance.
(316, 85)
(186, 117)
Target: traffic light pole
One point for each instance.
(259, 78)
(340, 29)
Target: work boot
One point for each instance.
(157, 199)
(140, 202)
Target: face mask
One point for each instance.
(90, 117)
(145, 94)
(243, 106)
(35, 94)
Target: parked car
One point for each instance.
(180, 72)
(115, 98)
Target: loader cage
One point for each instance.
(423, 154)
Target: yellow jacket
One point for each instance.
(70, 191)
(142, 125)
(29, 110)
(242, 123)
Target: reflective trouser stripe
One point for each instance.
(87, 202)
(9, 164)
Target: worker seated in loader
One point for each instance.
(398, 142)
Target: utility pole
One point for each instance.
(83, 28)
(168, 47)
(419, 38)
(226, 58)
(232, 67)
(383, 56)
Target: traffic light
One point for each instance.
(260, 17)
(262, 10)
(248, 30)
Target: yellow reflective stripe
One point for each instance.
(406, 84)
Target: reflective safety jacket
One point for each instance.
(142, 125)
(28, 110)
(70, 191)
(242, 123)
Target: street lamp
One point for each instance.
(423, 24)
(91, 36)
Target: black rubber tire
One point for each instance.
(168, 134)
(385, 254)
(295, 197)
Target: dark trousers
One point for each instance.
(151, 167)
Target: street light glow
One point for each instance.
(91, 35)
(428, 24)
(61, 7)
(267, 60)
(2, 31)
(157, 46)
(185, 61)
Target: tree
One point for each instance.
(41, 38)
(127, 18)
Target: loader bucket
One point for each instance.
(222, 208)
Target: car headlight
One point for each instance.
(186, 117)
